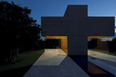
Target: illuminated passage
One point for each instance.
(63, 42)
(51, 57)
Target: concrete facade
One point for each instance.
(77, 26)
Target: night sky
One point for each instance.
(57, 7)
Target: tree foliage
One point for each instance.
(112, 45)
(92, 44)
(18, 29)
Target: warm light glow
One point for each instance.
(90, 37)
(64, 42)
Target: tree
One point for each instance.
(92, 44)
(18, 30)
(112, 45)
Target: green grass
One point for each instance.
(103, 51)
(113, 53)
(23, 62)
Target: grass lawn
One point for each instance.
(23, 62)
(113, 53)
(103, 51)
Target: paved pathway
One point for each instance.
(102, 55)
(105, 61)
(65, 67)
(51, 57)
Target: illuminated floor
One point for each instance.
(50, 65)
(51, 57)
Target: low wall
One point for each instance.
(108, 67)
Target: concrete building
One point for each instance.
(75, 27)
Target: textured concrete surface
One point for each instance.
(51, 57)
(67, 68)
(105, 61)
(102, 55)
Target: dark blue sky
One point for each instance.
(57, 7)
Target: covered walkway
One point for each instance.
(55, 63)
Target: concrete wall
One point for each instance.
(77, 45)
(100, 26)
(77, 26)
(53, 26)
